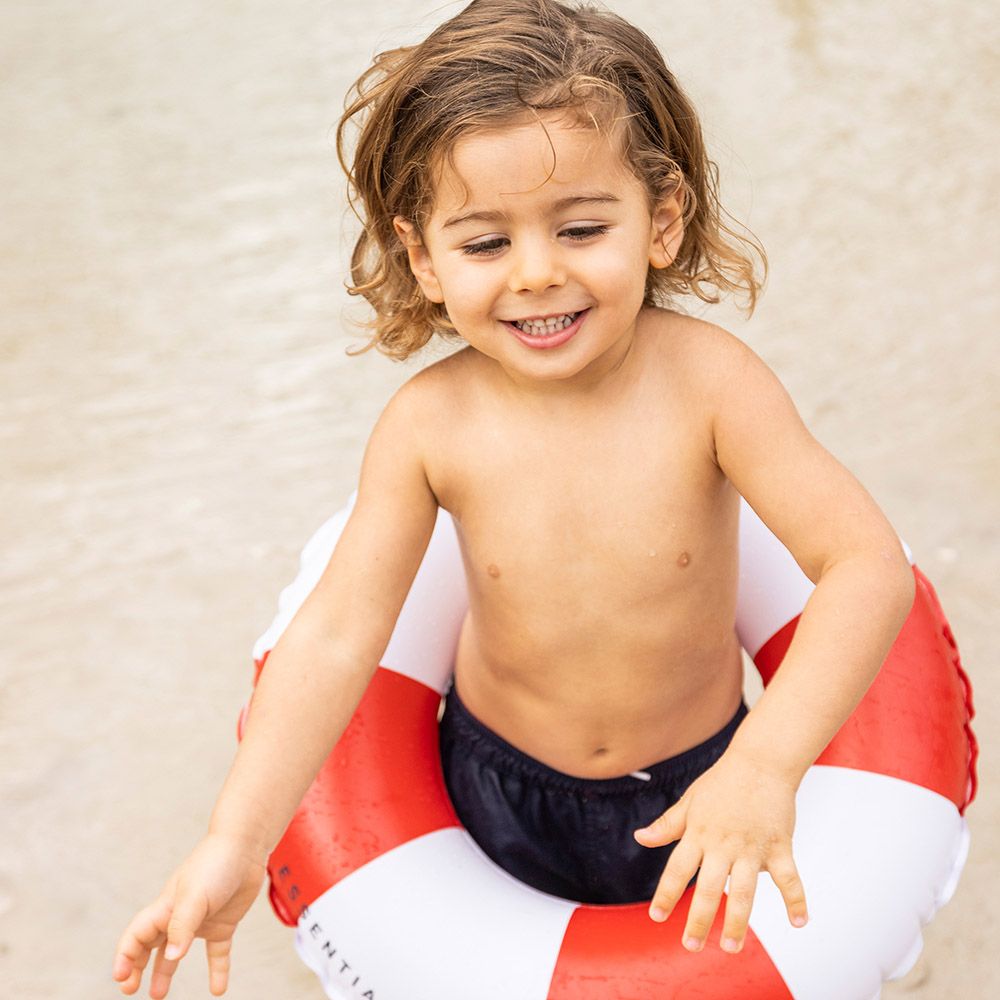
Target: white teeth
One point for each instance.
(541, 327)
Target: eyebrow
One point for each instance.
(596, 198)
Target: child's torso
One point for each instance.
(600, 548)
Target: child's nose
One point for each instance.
(536, 265)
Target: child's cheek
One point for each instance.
(622, 261)
(621, 271)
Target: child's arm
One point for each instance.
(738, 817)
(308, 691)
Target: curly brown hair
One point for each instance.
(493, 62)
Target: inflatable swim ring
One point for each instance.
(393, 900)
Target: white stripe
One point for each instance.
(434, 919)
(312, 562)
(426, 634)
(772, 589)
(877, 857)
(423, 642)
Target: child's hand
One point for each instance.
(737, 817)
(206, 897)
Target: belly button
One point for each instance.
(493, 570)
(683, 559)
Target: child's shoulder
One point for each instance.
(440, 383)
(702, 352)
(436, 393)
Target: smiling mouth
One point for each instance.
(545, 327)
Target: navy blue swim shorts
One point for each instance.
(568, 836)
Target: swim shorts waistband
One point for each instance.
(483, 742)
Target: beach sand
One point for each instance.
(177, 413)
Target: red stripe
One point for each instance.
(381, 787)
(914, 721)
(617, 952)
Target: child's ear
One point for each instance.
(667, 229)
(420, 260)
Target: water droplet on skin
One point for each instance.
(683, 559)
(493, 570)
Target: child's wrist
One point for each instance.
(252, 844)
(783, 766)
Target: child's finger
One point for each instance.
(218, 965)
(163, 973)
(129, 980)
(188, 915)
(683, 863)
(145, 931)
(786, 878)
(134, 980)
(705, 904)
(739, 902)
(664, 829)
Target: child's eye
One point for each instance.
(491, 247)
(486, 248)
(585, 232)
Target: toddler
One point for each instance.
(532, 181)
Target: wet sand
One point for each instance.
(178, 413)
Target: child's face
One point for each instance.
(523, 247)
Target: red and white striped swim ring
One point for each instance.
(393, 900)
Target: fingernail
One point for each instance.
(118, 969)
(799, 921)
(173, 951)
(730, 944)
(692, 944)
(658, 914)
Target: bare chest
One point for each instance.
(595, 515)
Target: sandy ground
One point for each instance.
(178, 413)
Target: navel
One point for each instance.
(493, 570)
(683, 559)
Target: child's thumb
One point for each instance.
(663, 830)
